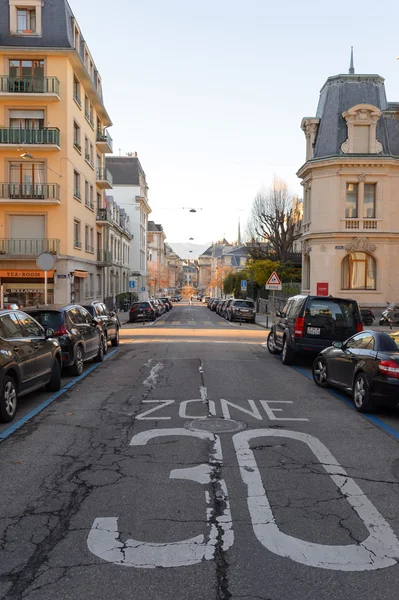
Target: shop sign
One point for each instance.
(24, 291)
(28, 274)
(322, 289)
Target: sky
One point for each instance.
(211, 93)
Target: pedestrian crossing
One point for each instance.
(189, 322)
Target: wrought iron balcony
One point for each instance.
(28, 247)
(103, 214)
(47, 135)
(104, 141)
(29, 85)
(104, 178)
(47, 192)
(104, 256)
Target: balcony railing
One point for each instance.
(103, 214)
(104, 175)
(77, 244)
(29, 191)
(29, 85)
(356, 224)
(104, 256)
(28, 247)
(48, 135)
(89, 248)
(103, 138)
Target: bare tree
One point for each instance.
(275, 220)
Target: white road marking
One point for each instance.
(183, 409)
(104, 537)
(379, 550)
(254, 413)
(270, 411)
(163, 403)
(153, 376)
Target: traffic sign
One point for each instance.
(243, 285)
(274, 283)
(132, 285)
(143, 289)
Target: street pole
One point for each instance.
(45, 288)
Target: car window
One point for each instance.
(104, 310)
(10, 327)
(244, 303)
(49, 319)
(362, 341)
(75, 316)
(30, 327)
(395, 338)
(85, 316)
(331, 313)
(287, 310)
(91, 310)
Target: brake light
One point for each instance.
(389, 368)
(148, 309)
(360, 327)
(61, 331)
(299, 328)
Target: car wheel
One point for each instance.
(77, 367)
(105, 343)
(100, 354)
(8, 400)
(287, 354)
(361, 394)
(115, 341)
(55, 382)
(319, 372)
(271, 344)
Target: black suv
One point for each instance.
(311, 323)
(242, 310)
(30, 358)
(142, 310)
(108, 320)
(80, 336)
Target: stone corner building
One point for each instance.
(351, 183)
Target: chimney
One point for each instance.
(135, 154)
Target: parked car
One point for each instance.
(142, 310)
(80, 335)
(30, 358)
(311, 323)
(366, 365)
(241, 309)
(167, 302)
(108, 320)
(214, 304)
(205, 299)
(223, 310)
(220, 305)
(159, 307)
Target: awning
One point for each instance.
(83, 274)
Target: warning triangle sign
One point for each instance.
(273, 279)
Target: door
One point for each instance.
(282, 322)
(35, 334)
(109, 322)
(352, 353)
(92, 334)
(27, 179)
(22, 350)
(81, 327)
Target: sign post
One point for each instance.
(45, 261)
(243, 285)
(274, 283)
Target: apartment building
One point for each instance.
(130, 191)
(53, 138)
(350, 223)
(158, 276)
(172, 261)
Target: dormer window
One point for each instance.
(362, 129)
(25, 17)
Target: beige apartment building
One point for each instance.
(350, 239)
(53, 139)
(158, 278)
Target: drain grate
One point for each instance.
(215, 425)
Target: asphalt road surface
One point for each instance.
(193, 465)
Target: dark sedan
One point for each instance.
(366, 365)
(108, 320)
(30, 358)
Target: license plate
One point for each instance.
(314, 330)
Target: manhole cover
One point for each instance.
(215, 425)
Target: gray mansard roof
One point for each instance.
(339, 94)
(125, 170)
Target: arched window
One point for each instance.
(358, 272)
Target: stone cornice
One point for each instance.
(345, 161)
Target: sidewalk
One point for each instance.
(263, 321)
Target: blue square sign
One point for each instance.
(132, 285)
(143, 289)
(244, 285)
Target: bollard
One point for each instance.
(143, 317)
(267, 321)
(240, 319)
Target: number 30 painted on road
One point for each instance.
(380, 549)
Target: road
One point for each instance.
(193, 465)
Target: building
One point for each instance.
(350, 179)
(130, 191)
(158, 278)
(53, 139)
(172, 261)
(115, 255)
(204, 270)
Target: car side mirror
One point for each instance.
(113, 314)
(95, 321)
(278, 314)
(49, 333)
(338, 345)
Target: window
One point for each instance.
(27, 180)
(362, 341)
(91, 287)
(369, 201)
(91, 115)
(86, 107)
(76, 91)
(26, 20)
(77, 38)
(87, 197)
(10, 327)
(99, 286)
(91, 154)
(91, 197)
(358, 272)
(30, 327)
(87, 243)
(361, 139)
(87, 149)
(351, 201)
(26, 69)
(26, 119)
(76, 184)
(76, 234)
(76, 137)
(89, 239)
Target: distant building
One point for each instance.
(172, 262)
(157, 267)
(130, 191)
(350, 217)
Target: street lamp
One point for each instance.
(26, 156)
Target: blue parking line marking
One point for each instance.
(375, 420)
(35, 411)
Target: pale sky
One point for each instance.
(211, 93)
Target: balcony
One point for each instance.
(42, 193)
(29, 87)
(104, 141)
(15, 248)
(361, 224)
(104, 257)
(104, 215)
(104, 179)
(48, 137)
